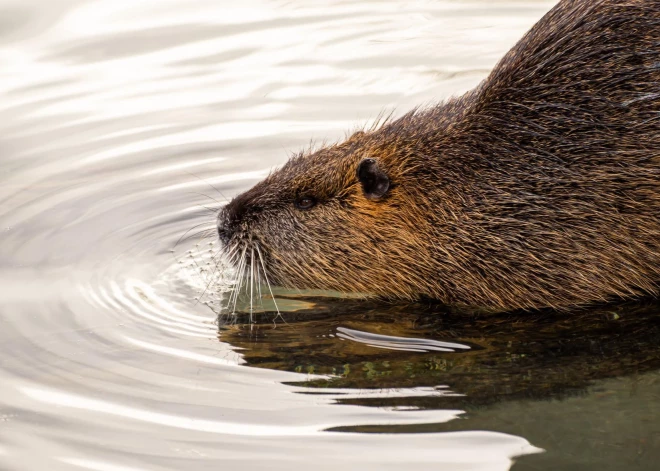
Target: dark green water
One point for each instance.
(582, 385)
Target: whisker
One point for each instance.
(212, 210)
(212, 186)
(240, 283)
(236, 265)
(241, 274)
(251, 282)
(193, 235)
(231, 294)
(230, 300)
(261, 259)
(259, 286)
(229, 255)
(207, 196)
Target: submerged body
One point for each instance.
(539, 188)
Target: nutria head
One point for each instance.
(541, 187)
(349, 217)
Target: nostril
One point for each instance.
(230, 219)
(223, 229)
(223, 233)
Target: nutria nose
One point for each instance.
(231, 218)
(224, 232)
(223, 235)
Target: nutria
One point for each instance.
(539, 188)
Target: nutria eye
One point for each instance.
(305, 202)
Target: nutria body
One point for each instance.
(541, 187)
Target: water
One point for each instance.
(124, 124)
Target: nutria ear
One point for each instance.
(375, 182)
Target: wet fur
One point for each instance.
(541, 187)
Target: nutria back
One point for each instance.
(541, 187)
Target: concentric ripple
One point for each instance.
(125, 125)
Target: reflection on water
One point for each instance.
(483, 359)
(588, 377)
(125, 125)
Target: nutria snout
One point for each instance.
(541, 187)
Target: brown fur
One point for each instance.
(541, 187)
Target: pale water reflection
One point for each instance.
(124, 124)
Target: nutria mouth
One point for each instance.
(539, 188)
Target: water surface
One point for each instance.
(124, 124)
